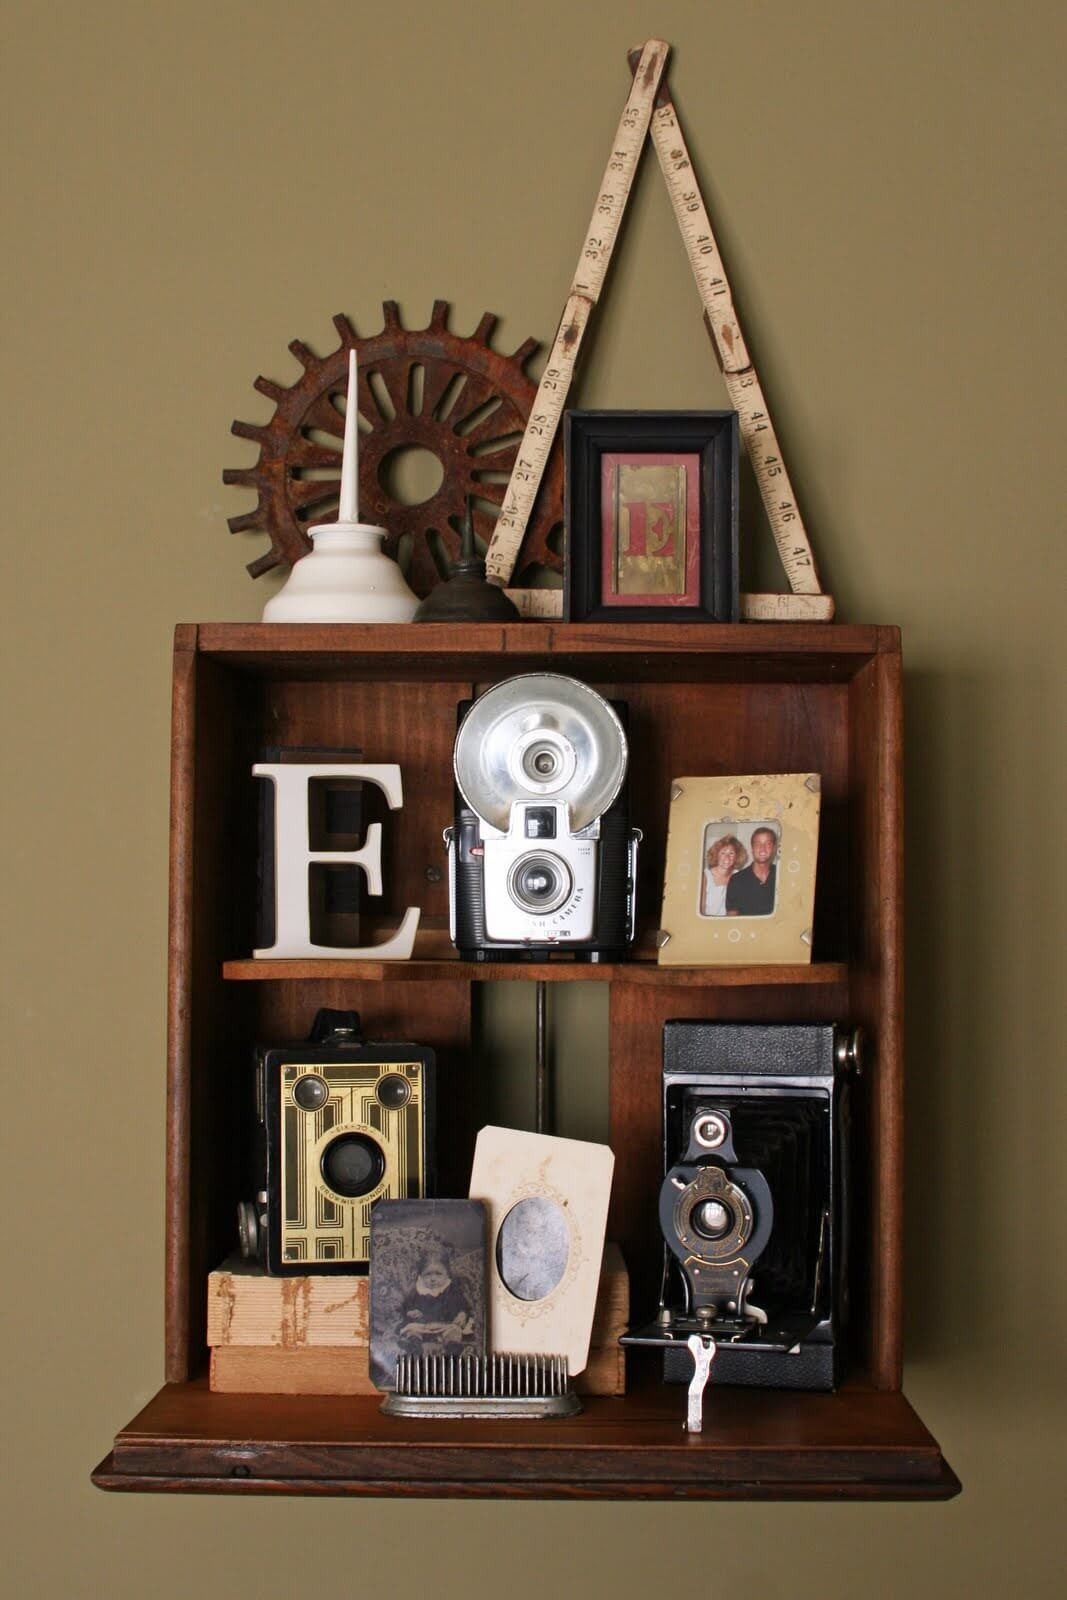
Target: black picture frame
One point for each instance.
(705, 580)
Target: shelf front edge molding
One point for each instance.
(303, 971)
(855, 1444)
(536, 638)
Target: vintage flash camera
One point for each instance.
(754, 1202)
(542, 858)
(340, 1125)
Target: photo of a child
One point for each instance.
(427, 1282)
(436, 1314)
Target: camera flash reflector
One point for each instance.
(536, 735)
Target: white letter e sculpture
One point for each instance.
(293, 855)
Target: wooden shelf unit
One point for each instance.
(703, 698)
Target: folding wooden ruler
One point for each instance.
(649, 105)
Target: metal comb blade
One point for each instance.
(482, 1386)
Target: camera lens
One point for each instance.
(712, 1220)
(352, 1164)
(393, 1092)
(311, 1092)
(539, 883)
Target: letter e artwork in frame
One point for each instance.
(739, 886)
(651, 516)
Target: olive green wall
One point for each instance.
(193, 185)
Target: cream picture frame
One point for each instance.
(739, 883)
(566, 1185)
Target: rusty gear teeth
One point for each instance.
(456, 397)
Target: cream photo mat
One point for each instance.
(512, 1167)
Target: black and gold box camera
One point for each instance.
(754, 1201)
(340, 1124)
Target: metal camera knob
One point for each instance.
(850, 1050)
(248, 1229)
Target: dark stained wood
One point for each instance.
(945, 1487)
(179, 1003)
(703, 699)
(452, 969)
(855, 1442)
(211, 850)
(866, 1489)
(765, 652)
(877, 993)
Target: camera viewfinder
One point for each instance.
(540, 822)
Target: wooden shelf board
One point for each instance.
(639, 972)
(654, 652)
(859, 1443)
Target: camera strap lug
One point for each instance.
(703, 1349)
(636, 835)
(449, 836)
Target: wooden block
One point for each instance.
(612, 1315)
(605, 1371)
(247, 1308)
(269, 1369)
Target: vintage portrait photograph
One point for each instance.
(427, 1282)
(739, 882)
(740, 876)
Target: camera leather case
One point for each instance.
(754, 1202)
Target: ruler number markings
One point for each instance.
(757, 429)
(597, 247)
(742, 381)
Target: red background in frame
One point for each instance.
(608, 463)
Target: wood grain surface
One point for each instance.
(858, 1442)
(711, 698)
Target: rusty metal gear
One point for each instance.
(456, 397)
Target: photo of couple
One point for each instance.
(740, 873)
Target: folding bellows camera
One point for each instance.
(542, 858)
(754, 1201)
(340, 1125)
